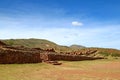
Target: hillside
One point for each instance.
(73, 49)
(74, 46)
(108, 52)
(101, 52)
(31, 43)
(39, 43)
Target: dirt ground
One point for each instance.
(78, 70)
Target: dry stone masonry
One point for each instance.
(10, 55)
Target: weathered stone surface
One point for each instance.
(49, 50)
(2, 44)
(82, 52)
(52, 57)
(9, 55)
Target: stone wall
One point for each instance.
(9, 57)
(66, 57)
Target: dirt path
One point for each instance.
(107, 71)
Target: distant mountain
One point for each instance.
(77, 46)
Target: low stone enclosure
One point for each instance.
(10, 55)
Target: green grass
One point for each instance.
(43, 71)
(110, 54)
(20, 71)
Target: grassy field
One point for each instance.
(78, 70)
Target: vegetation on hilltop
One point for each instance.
(38, 43)
(45, 44)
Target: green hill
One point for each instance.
(45, 44)
(38, 43)
(77, 46)
(31, 43)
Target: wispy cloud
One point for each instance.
(59, 29)
(76, 23)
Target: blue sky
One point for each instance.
(92, 23)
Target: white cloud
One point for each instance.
(76, 23)
(63, 34)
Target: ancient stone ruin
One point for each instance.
(10, 55)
